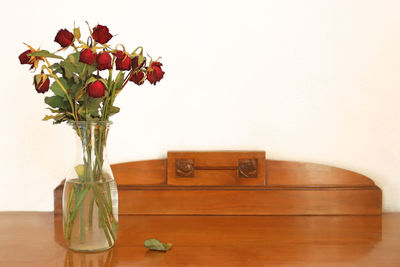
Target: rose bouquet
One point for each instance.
(84, 85)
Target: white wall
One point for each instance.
(313, 81)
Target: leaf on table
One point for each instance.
(154, 244)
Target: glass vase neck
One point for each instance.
(91, 163)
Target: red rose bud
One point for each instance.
(155, 73)
(41, 82)
(87, 56)
(138, 78)
(101, 34)
(103, 61)
(123, 62)
(24, 58)
(96, 89)
(64, 38)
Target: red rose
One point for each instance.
(101, 34)
(96, 89)
(87, 56)
(123, 62)
(138, 78)
(119, 54)
(24, 58)
(155, 73)
(103, 61)
(64, 38)
(41, 82)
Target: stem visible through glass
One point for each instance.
(91, 179)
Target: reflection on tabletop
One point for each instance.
(236, 240)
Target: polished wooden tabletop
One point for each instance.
(35, 239)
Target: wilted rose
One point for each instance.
(24, 58)
(96, 89)
(103, 61)
(41, 82)
(119, 54)
(87, 56)
(101, 34)
(123, 62)
(64, 38)
(138, 78)
(154, 72)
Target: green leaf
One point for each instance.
(93, 106)
(59, 70)
(77, 33)
(55, 101)
(119, 80)
(56, 88)
(75, 87)
(140, 60)
(48, 117)
(54, 110)
(67, 71)
(57, 118)
(76, 79)
(79, 92)
(154, 244)
(72, 63)
(113, 110)
(44, 53)
(80, 170)
(55, 66)
(71, 59)
(38, 78)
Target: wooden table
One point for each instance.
(35, 239)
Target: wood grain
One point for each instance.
(148, 172)
(310, 174)
(154, 172)
(249, 201)
(35, 239)
(291, 188)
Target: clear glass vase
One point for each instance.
(90, 197)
